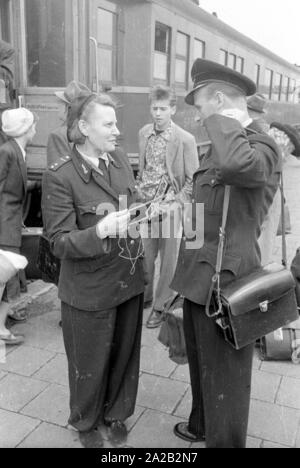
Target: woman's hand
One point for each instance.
(114, 224)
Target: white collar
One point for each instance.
(21, 148)
(247, 122)
(93, 159)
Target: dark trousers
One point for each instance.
(103, 351)
(220, 381)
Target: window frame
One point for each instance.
(203, 43)
(167, 54)
(113, 49)
(183, 58)
(225, 55)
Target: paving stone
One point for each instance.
(286, 369)
(155, 429)
(55, 371)
(51, 406)
(273, 423)
(149, 338)
(265, 386)
(289, 393)
(156, 361)
(14, 428)
(182, 373)
(17, 391)
(271, 445)
(39, 334)
(185, 406)
(298, 439)
(25, 360)
(50, 436)
(160, 394)
(2, 374)
(253, 443)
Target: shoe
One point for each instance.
(117, 432)
(12, 339)
(147, 304)
(91, 439)
(18, 315)
(181, 430)
(155, 319)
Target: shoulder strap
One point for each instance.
(284, 253)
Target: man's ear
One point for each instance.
(82, 125)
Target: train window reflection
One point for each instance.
(267, 90)
(47, 53)
(223, 57)
(182, 59)
(106, 37)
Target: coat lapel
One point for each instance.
(21, 163)
(86, 172)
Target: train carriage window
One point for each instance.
(49, 49)
(292, 93)
(223, 57)
(240, 63)
(199, 49)
(232, 61)
(106, 37)
(268, 86)
(285, 88)
(257, 75)
(277, 88)
(4, 21)
(162, 48)
(182, 59)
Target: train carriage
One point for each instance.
(125, 47)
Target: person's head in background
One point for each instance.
(73, 91)
(163, 102)
(287, 138)
(19, 124)
(257, 110)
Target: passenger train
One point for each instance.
(125, 47)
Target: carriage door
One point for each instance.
(103, 40)
(46, 65)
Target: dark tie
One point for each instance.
(104, 169)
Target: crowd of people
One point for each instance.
(91, 204)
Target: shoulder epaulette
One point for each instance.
(59, 163)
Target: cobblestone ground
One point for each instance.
(34, 388)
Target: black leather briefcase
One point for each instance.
(256, 305)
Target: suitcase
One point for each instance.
(282, 345)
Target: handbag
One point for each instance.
(171, 332)
(254, 305)
(47, 262)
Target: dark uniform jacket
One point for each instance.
(58, 145)
(250, 165)
(94, 275)
(13, 188)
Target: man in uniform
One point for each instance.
(221, 375)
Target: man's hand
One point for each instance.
(114, 224)
(237, 114)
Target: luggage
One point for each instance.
(282, 345)
(171, 332)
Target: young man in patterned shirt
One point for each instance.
(166, 151)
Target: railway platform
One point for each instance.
(34, 388)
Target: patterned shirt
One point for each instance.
(155, 164)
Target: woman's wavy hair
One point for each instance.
(81, 109)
